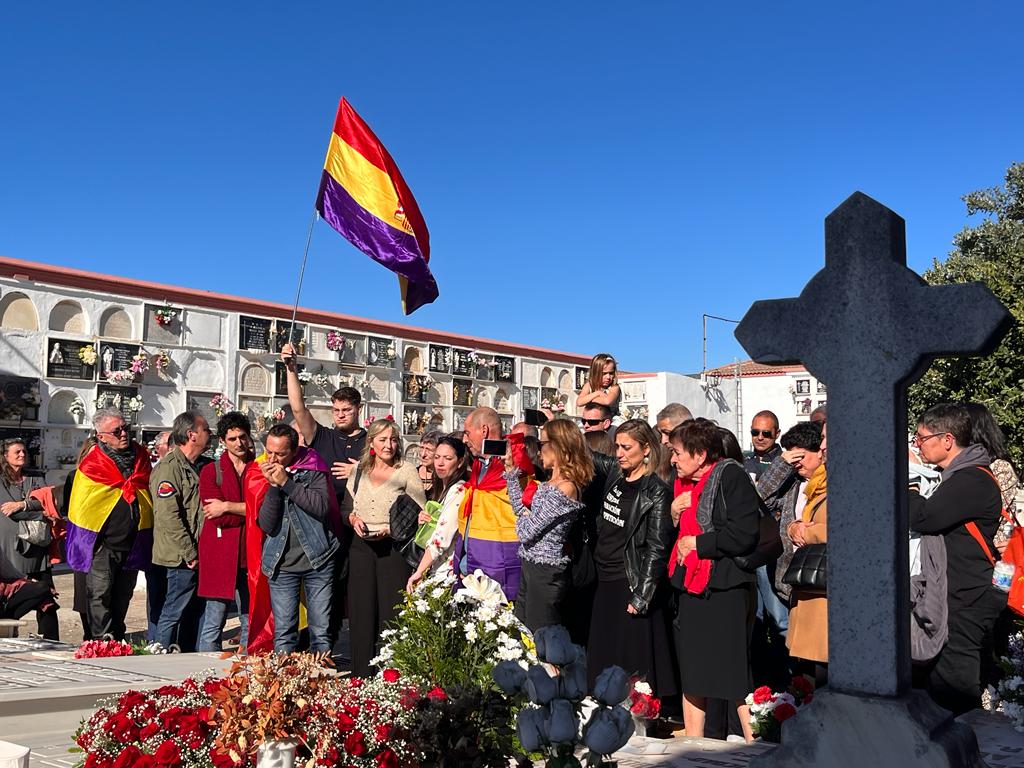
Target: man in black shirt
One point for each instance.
(341, 447)
(963, 509)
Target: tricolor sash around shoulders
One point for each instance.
(97, 488)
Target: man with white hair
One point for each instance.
(110, 522)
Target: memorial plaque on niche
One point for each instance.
(116, 357)
(163, 324)
(108, 396)
(440, 358)
(531, 398)
(281, 378)
(254, 333)
(462, 392)
(582, 374)
(463, 362)
(484, 369)
(298, 336)
(354, 351)
(63, 360)
(414, 388)
(380, 352)
(19, 398)
(504, 368)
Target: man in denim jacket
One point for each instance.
(300, 547)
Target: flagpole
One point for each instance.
(302, 271)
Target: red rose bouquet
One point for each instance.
(642, 702)
(164, 728)
(769, 710)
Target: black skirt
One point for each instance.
(641, 645)
(713, 642)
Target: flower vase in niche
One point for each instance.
(276, 754)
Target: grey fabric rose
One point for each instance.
(574, 681)
(510, 677)
(608, 730)
(612, 686)
(554, 645)
(562, 728)
(532, 728)
(540, 686)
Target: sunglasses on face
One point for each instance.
(591, 422)
(116, 431)
(762, 433)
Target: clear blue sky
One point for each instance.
(594, 175)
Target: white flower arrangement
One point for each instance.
(135, 404)
(1009, 696)
(120, 378)
(305, 376)
(77, 407)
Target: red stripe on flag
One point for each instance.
(352, 129)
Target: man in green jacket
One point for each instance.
(177, 518)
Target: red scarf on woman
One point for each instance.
(698, 571)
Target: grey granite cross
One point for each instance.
(867, 326)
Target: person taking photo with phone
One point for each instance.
(377, 571)
(487, 537)
(544, 526)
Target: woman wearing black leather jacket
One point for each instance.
(629, 626)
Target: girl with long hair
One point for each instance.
(377, 570)
(451, 470)
(543, 527)
(601, 387)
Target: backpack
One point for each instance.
(1013, 554)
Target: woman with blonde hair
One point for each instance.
(601, 387)
(377, 571)
(542, 528)
(629, 625)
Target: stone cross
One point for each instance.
(868, 326)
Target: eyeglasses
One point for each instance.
(591, 422)
(762, 432)
(116, 431)
(918, 440)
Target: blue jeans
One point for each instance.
(216, 612)
(768, 602)
(284, 602)
(156, 593)
(181, 588)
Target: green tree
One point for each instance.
(992, 252)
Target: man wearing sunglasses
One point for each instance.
(764, 434)
(110, 522)
(596, 418)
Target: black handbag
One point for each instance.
(808, 568)
(404, 522)
(769, 541)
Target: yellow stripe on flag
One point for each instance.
(369, 186)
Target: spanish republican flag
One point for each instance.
(363, 196)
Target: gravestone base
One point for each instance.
(840, 730)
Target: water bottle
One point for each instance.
(1002, 576)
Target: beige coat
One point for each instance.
(807, 637)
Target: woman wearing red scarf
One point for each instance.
(716, 606)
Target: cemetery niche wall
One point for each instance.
(89, 341)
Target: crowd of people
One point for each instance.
(662, 548)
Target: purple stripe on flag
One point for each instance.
(79, 544)
(497, 559)
(396, 250)
(141, 554)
